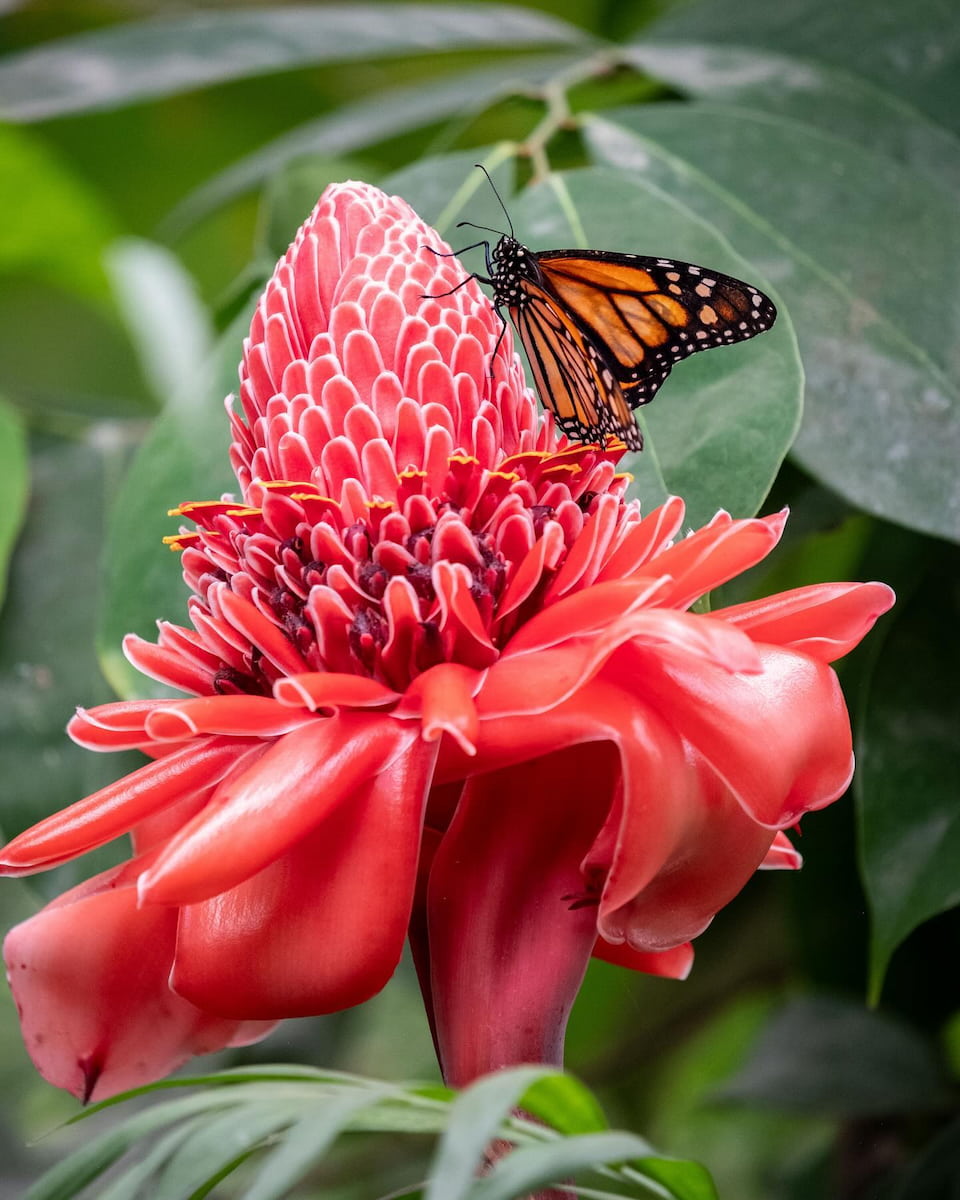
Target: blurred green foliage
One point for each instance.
(154, 164)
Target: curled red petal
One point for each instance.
(712, 555)
(118, 726)
(238, 716)
(115, 809)
(781, 739)
(668, 964)
(719, 850)
(782, 855)
(254, 818)
(96, 1020)
(442, 699)
(323, 927)
(329, 691)
(825, 620)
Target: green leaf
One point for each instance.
(169, 326)
(54, 226)
(13, 486)
(214, 1145)
(528, 1167)
(564, 1104)
(47, 666)
(185, 457)
(834, 100)
(167, 55)
(362, 123)
(73, 1174)
(307, 1141)
(908, 765)
(475, 1117)
(448, 188)
(719, 428)
(882, 417)
(911, 49)
(833, 1057)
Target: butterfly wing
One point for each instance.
(573, 381)
(643, 315)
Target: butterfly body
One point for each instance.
(602, 330)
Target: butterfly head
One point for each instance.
(511, 263)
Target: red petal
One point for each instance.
(507, 950)
(780, 739)
(442, 699)
(329, 691)
(322, 928)
(668, 964)
(89, 975)
(716, 553)
(285, 795)
(238, 716)
(782, 856)
(825, 621)
(719, 850)
(117, 808)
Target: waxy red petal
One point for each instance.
(286, 794)
(668, 964)
(238, 716)
(323, 927)
(115, 809)
(89, 975)
(780, 739)
(825, 620)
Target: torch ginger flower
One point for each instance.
(445, 682)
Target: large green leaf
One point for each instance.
(360, 124)
(910, 49)
(53, 225)
(909, 764)
(167, 55)
(862, 250)
(719, 428)
(13, 486)
(833, 1057)
(834, 100)
(47, 666)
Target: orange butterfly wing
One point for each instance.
(573, 381)
(644, 314)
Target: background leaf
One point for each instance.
(157, 58)
(882, 403)
(13, 486)
(822, 1055)
(910, 48)
(909, 749)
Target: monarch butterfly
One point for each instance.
(603, 330)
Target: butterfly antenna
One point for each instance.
(481, 167)
(485, 228)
